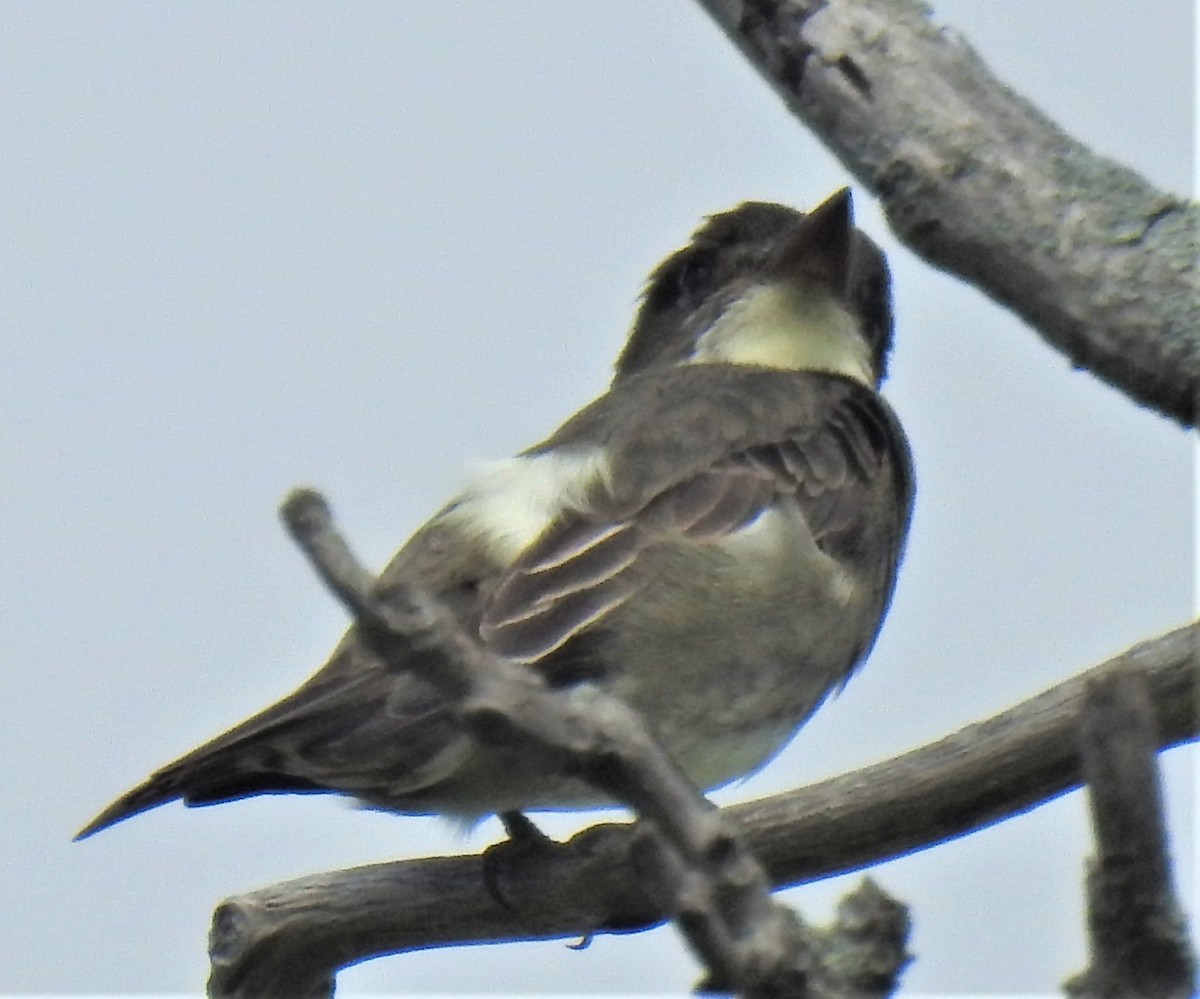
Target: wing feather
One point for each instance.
(585, 565)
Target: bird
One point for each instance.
(715, 540)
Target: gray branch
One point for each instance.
(596, 882)
(1139, 941)
(981, 184)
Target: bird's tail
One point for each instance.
(196, 780)
(340, 726)
(158, 790)
(244, 761)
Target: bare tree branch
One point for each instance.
(1139, 941)
(980, 183)
(596, 883)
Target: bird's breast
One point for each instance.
(737, 642)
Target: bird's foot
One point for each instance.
(502, 862)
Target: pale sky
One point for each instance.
(362, 246)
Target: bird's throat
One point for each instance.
(779, 326)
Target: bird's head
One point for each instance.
(764, 284)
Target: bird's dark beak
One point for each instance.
(817, 249)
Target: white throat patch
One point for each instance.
(779, 326)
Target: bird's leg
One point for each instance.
(522, 832)
(526, 843)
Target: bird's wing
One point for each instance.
(827, 461)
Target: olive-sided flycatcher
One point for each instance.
(715, 540)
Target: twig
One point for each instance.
(980, 183)
(1139, 940)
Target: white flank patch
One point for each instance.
(763, 536)
(779, 327)
(773, 535)
(511, 502)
